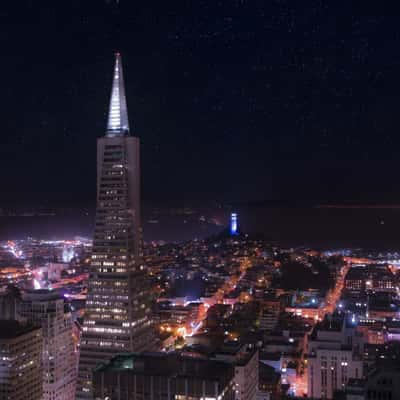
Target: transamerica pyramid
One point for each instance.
(118, 310)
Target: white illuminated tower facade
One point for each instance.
(118, 305)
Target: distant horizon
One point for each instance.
(314, 227)
(213, 204)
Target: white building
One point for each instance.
(246, 378)
(334, 356)
(245, 361)
(47, 309)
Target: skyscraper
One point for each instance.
(118, 309)
(46, 309)
(20, 361)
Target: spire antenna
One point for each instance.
(118, 124)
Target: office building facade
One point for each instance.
(20, 361)
(118, 305)
(46, 309)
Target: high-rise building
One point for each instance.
(118, 305)
(20, 361)
(9, 301)
(46, 309)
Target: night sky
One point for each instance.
(233, 100)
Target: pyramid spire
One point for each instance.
(118, 124)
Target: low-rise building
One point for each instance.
(245, 361)
(334, 356)
(163, 376)
(382, 383)
(269, 382)
(370, 277)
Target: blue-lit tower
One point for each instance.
(234, 224)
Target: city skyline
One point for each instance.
(234, 236)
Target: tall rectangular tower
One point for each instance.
(47, 310)
(20, 361)
(118, 307)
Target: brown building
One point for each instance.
(20, 361)
(382, 383)
(269, 382)
(375, 278)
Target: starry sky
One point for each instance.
(236, 100)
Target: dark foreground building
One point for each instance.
(163, 376)
(20, 361)
(382, 383)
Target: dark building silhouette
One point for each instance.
(164, 376)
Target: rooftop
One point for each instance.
(168, 364)
(369, 271)
(355, 386)
(42, 295)
(330, 324)
(10, 329)
(267, 374)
